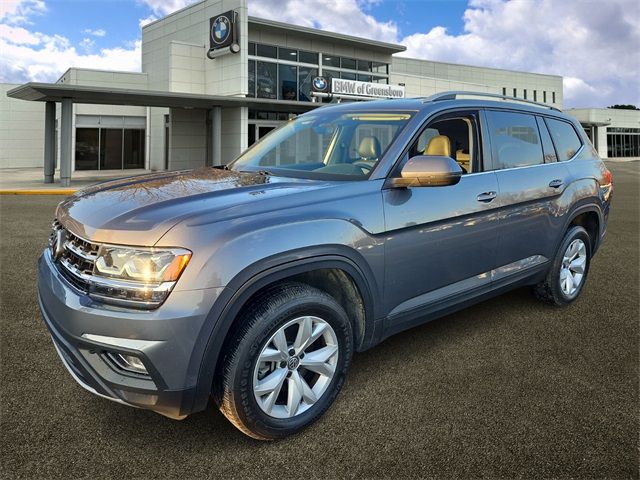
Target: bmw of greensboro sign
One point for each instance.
(366, 89)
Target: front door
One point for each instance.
(440, 241)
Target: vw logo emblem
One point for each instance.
(293, 363)
(320, 84)
(58, 245)
(220, 29)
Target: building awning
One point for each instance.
(594, 124)
(55, 92)
(314, 34)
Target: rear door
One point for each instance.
(530, 181)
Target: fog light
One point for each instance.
(128, 363)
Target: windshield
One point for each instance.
(325, 144)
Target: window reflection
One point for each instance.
(305, 77)
(515, 139)
(252, 79)
(287, 78)
(272, 79)
(266, 79)
(87, 148)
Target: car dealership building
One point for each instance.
(215, 80)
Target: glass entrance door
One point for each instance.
(109, 142)
(263, 130)
(260, 129)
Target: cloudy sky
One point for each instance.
(594, 45)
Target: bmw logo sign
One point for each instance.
(320, 84)
(220, 30)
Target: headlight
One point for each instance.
(141, 277)
(147, 266)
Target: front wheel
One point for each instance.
(287, 361)
(568, 271)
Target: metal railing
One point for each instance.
(452, 95)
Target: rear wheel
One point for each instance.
(288, 363)
(569, 270)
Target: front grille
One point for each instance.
(77, 257)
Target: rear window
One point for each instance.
(515, 139)
(565, 138)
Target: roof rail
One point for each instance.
(452, 95)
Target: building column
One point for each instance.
(66, 141)
(216, 136)
(601, 141)
(49, 141)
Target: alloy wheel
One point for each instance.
(295, 367)
(573, 267)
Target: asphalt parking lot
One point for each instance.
(505, 389)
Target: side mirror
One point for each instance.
(428, 171)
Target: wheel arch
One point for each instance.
(590, 217)
(285, 267)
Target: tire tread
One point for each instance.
(269, 299)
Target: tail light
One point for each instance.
(608, 178)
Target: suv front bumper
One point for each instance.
(168, 340)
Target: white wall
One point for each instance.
(185, 33)
(186, 67)
(21, 131)
(187, 141)
(156, 138)
(609, 116)
(234, 132)
(424, 77)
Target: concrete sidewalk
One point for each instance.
(30, 181)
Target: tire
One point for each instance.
(556, 289)
(256, 361)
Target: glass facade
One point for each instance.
(286, 74)
(623, 142)
(109, 148)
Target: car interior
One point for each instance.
(354, 148)
(452, 137)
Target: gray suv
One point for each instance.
(253, 284)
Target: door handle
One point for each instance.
(487, 196)
(557, 183)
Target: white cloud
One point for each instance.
(18, 11)
(100, 32)
(343, 16)
(87, 44)
(165, 7)
(594, 45)
(34, 56)
(145, 21)
(19, 35)
(47, 61)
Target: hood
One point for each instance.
(139, 210)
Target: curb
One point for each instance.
(61, 191)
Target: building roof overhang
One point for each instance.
(384, 47)
(54, 92)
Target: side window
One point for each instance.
(565, 138)
(515, 139)
(455, 137)
(547, 144)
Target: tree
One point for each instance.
(624, 107)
